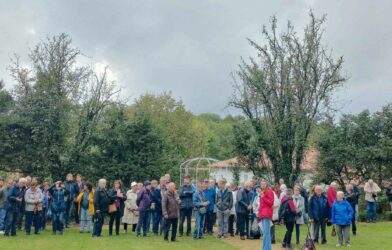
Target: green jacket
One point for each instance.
(224, 200)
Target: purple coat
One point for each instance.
(143, 200)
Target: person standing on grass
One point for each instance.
(357, 192)
(210, 195)
(86, 206)
(80, 187)
(170, 202)
(275, 216)
(234, 190)
(371, 191)
(287, 215)
(46, 198)
(299, 203)
(342, 216)
(117, 197)
(186, 206)
(101, 203)
(266, 213)
(15, 198)
(33, 207)
(73, 191)
(200, 204)
(319, 214)
(3, 199)
(243, 208)
(131, 213)
(58, 206)
(143, 202)
(224, 204)
(352, 198)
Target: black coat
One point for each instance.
(101, 200)
(114, 198)
(186, 194)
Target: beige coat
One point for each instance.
(131, 213)
(369, 190)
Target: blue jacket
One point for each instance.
(341, 213)
(13, 193)
(198, 198)
(186, 195)
(73, 189)
(156, 197)
(243, 201)
(318, 207)
(57, 203)
(210, 195)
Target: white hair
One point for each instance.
(101, 182)
(333, 184)
(340, 193)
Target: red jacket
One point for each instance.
(266, 205)
(331, 196)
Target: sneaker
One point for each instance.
(348, 245)
(338, 245)
(1, 232)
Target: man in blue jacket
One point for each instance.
(210, 195)
(14, 202)
(73, 190)
(319, 214)
(186, 205)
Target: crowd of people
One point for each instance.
(250, 211)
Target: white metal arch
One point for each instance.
(202, 163)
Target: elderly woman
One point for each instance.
(117, 197)
(341, 216)
(33, 207)
(101, 203)
(299, 203)
(131, 213)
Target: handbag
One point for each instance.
(202, 210)
(333, 233)
(112, 208)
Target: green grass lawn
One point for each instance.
(370, 236)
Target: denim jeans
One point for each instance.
(185, 213)
(85, 218)
(68, 209)
(2, 218)
(97, 231)
(371, 208)
(357, 213)
(157, 220)
(143, 222)
(266, 227)
(57, 221)
(34, 218)
(10, 222)
(199, 225)
(297, 232)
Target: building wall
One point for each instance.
(219, 173)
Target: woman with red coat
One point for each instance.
(265, 213)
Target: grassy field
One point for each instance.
(370, 236)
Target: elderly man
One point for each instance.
(210, 195)
(356, 191)
(186, 206)
(170, 202)
(371, 191)
(101, 203)
(73, 189)
(243, 208)
(319, 213)
(14, 202)
(352, 198)
(143, 202)
(224, 205)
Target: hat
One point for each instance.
(147, 183)
(133, 184)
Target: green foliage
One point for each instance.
(357, 148)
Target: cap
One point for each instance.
(146, 183)
(133, 184)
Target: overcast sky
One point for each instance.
(191, 47)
